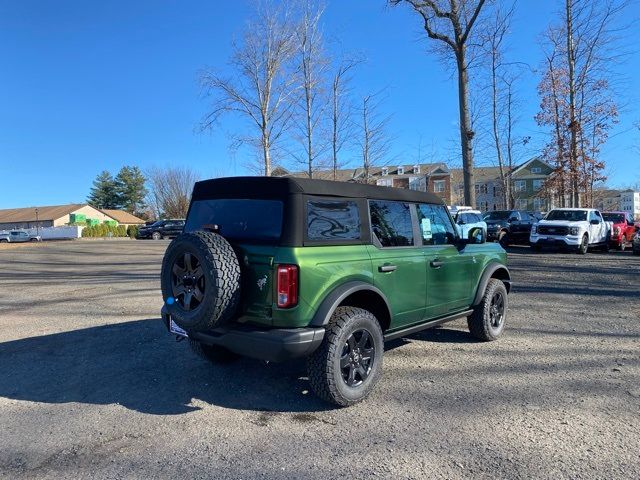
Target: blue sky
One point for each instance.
(89, 86)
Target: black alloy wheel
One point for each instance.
(496, 309)
(358, 355)
(188, 281)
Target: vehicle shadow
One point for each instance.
(433, 335)
(140, 366)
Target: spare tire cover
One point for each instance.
(200, 280)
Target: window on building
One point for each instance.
(435, 225)
(521, 204)
(520, 185)
(439, 186)
(416, 169)
(400, 170)
(391, 223)
(539, 204)
(481, 188)
(385, 182)
(537, 184)
(332, 220)
(385, 170)
(536, 170)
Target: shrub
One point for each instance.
(132, 231)
(122, 230)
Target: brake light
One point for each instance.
(287, 286)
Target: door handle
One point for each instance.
(386, 268)
(436, 263)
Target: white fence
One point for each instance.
(50, 233)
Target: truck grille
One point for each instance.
(553, 230)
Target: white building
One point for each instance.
(630, 202)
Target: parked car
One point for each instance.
(161, 229)
(623, 229)
(467, 220)
(635, 245)
(572, 229)
(18, 236)
(509, 226)
(328, 271)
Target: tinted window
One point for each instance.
(391, 223)
(497, 215)
(567, 215)
(253, 221)
(614, 217)
(332, 220)
(435, 225)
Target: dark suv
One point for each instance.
(282, 268)
(162, 229)
(509, 226)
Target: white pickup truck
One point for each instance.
(577, 229)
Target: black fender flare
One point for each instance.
(337, 295)
(488, 273)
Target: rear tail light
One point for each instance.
(287, 286)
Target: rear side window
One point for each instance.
(248, 220)
(391, 223)
(333, 220)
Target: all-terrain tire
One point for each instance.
(503, 239)
(583, 248)
(212, 353)
(221, 272)
(481, 322)
(324, 364)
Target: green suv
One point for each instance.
(282, 268)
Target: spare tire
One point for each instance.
(200, 280)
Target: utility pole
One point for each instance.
(37, 224)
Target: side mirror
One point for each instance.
(476, 235)
(595, 222)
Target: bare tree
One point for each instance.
(341, 111)
(375, 141)
(452, 26)
(170, 191)
(502, 80)
(313, 65)
(261, 89)
(585, 47)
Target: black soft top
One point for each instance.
(282, 187)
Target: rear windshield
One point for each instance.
(243, 220)
(498, 215)
(567, 215)
(614, 217)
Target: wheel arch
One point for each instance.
(492, 270)
(355, 294)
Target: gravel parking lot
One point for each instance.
(91, 385)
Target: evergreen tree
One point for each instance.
(130, 189)
(103, 194)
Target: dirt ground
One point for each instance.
(92, 386)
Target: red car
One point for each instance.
(623, 229)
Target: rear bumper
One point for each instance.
(275, 345)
